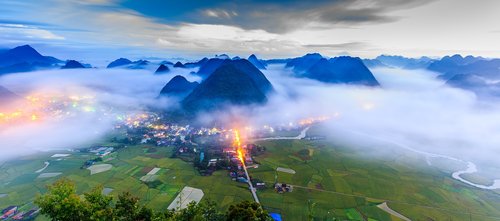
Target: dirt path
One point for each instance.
(386, 208)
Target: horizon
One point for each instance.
(249, 110)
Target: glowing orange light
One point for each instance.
(239, 149)
(34, 117)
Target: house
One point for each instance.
(31, 214)
(260, 185)
(283, 187)
(212, 162)
(242, 179)
(18, 216)
(8, 212)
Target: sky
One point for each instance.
(108, 29)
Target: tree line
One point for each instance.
(62, 203)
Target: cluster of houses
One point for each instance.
(13, 213)
(236, 171)
(283, 187)
(102, 151)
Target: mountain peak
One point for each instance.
(235, 82)
(119, 62)
(72, 64)
(179, 65)
(256, 62)
(178, 85)
(342, 70)
(162, 69)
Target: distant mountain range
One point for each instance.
(472, 73)
(338, 70)
(199, 63)
(476, 74)
(24, 58)
(399, 62)
(128, 64)
(235, 82)
(302, 64)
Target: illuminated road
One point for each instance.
(241, 157)
(254, 194)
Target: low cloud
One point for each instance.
(110, 92)
(412, 109)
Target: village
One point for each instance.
(206, 149)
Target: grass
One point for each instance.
(343, 181)
(346, 183)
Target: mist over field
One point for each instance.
(411, 108)
(112, 92)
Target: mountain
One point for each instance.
(256, 62)
(374, 63)
(481, 86)
(179, 65)
(128, 64)
(209, 67)
(167, 62)
(456, 64)
(303, 63)
(404, 62)
(119, 62)
(7, 96)
(139, 64)
(19, 67)
(72, 64)
(23, 59)
(342, 70)
(476, 74)
(236, 82)
(25, 54)
(196, 64)
(162, 69)
(278, 61)
(178, 86)
(222, 56)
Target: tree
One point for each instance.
(99, 205)
(203, 211)
(127, 208)
(247, 211)
(62, 203)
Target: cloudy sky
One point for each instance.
(277, 28)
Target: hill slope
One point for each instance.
(342, 70)
(178, 85)
(235, 82)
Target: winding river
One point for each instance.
(471, 167)
(298, 137)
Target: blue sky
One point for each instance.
(108, 29)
